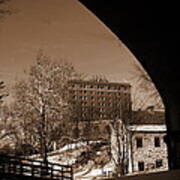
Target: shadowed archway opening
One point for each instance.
(150, 32)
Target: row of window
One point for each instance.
(76, 97)
(100, 104)
(92, 110)
(139, 142)
(158, 164)
(93, 86)
(116, 94)
(90, 97)
(89, 116)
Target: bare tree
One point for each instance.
(76, 115)
(144, 90)
(91, 114)
(8, 130)
(3, 9)
(7, 127)
(119, 141)
(2, 93)
(119, 146)
(41, 103)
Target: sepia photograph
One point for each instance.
(89, 90)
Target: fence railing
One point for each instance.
(34, 168)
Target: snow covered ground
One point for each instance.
(70, 153)
(90, 173)
(91, 170)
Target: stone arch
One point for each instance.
(149, 31)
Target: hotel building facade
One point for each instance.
(98, 100)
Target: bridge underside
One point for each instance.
(150, 31)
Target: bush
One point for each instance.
(6, 149)
(25, 149)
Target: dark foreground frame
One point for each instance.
(150, 31)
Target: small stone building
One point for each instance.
(148, 149)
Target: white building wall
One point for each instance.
(149, 153)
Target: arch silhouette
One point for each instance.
(150, 32)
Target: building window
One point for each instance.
(139, 142)
(141, 166)
(156, 141)
(159, 163)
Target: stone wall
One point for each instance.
(148, 153)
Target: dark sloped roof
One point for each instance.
(144, 117)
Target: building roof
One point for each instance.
(148, 128)
(145, 117)
(100, 83)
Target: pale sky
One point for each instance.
(63, 29)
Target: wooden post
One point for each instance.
(72, 173)
(62, 173)
(14, 168)
(21, 169)
(9, 167)
(3, 167)
(32, 169)
(52, 173)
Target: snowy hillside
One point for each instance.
(88, 161)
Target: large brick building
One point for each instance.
(96, 100)
(102, 102)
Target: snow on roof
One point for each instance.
(147, 128)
